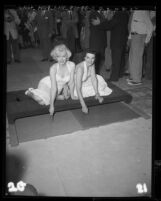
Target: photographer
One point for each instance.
(11, 21)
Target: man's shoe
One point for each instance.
(44, 60)
(132, 83)
(17, 61)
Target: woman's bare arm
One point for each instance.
(79, 75)
(72, 81)
(95, 84)
(53, 90)
(94, 79)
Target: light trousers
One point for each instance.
(136, 56)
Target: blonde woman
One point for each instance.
(56, 85)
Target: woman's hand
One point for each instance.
(51, 111)
(85, 109)
(99, 98)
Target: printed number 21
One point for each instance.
(142, 188)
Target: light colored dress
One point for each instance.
(44, 86)
(87, 87)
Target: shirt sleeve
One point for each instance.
(149, 25)
(17, 19)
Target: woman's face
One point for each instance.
(62, 58)
(90, 58)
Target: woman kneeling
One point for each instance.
(88, 83)
(60, 83)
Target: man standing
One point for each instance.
(45, 26)
(141, 29)
(69, 29)
(119, 34)
(11, 21)
(149, 50)
(97, 39)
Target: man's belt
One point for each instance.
(133, 33)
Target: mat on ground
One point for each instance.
(19, 105)
(67, 122)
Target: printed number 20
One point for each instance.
(20, 186)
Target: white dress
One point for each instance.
(87, 87)
(44, 86)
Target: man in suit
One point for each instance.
(45, 28)
(11, 21)
(69, 29)
(119, 33)
(97, 39)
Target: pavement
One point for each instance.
(107, 161)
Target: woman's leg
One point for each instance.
(64, 93)
(31, 94)
(41, 94)
(61, 95)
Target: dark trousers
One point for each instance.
(100, 59)
(117, 63)
(12, 47)
(46, 46)
(148, 60)
(59, 28)
(71, 41)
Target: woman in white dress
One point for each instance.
(88, 83)
(56, 85)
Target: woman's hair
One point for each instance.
(89, 51)
(59, 49)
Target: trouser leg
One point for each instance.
(149, 60)
(100, 60)
(136, 57)
(122, 62)
(15, 49)
(45, 47)
(9, 51)
(116, 61)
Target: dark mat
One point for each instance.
(105, 114)
(42, 127)
(19, 105)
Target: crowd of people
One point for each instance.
(122, 38)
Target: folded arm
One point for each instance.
(105, 25)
